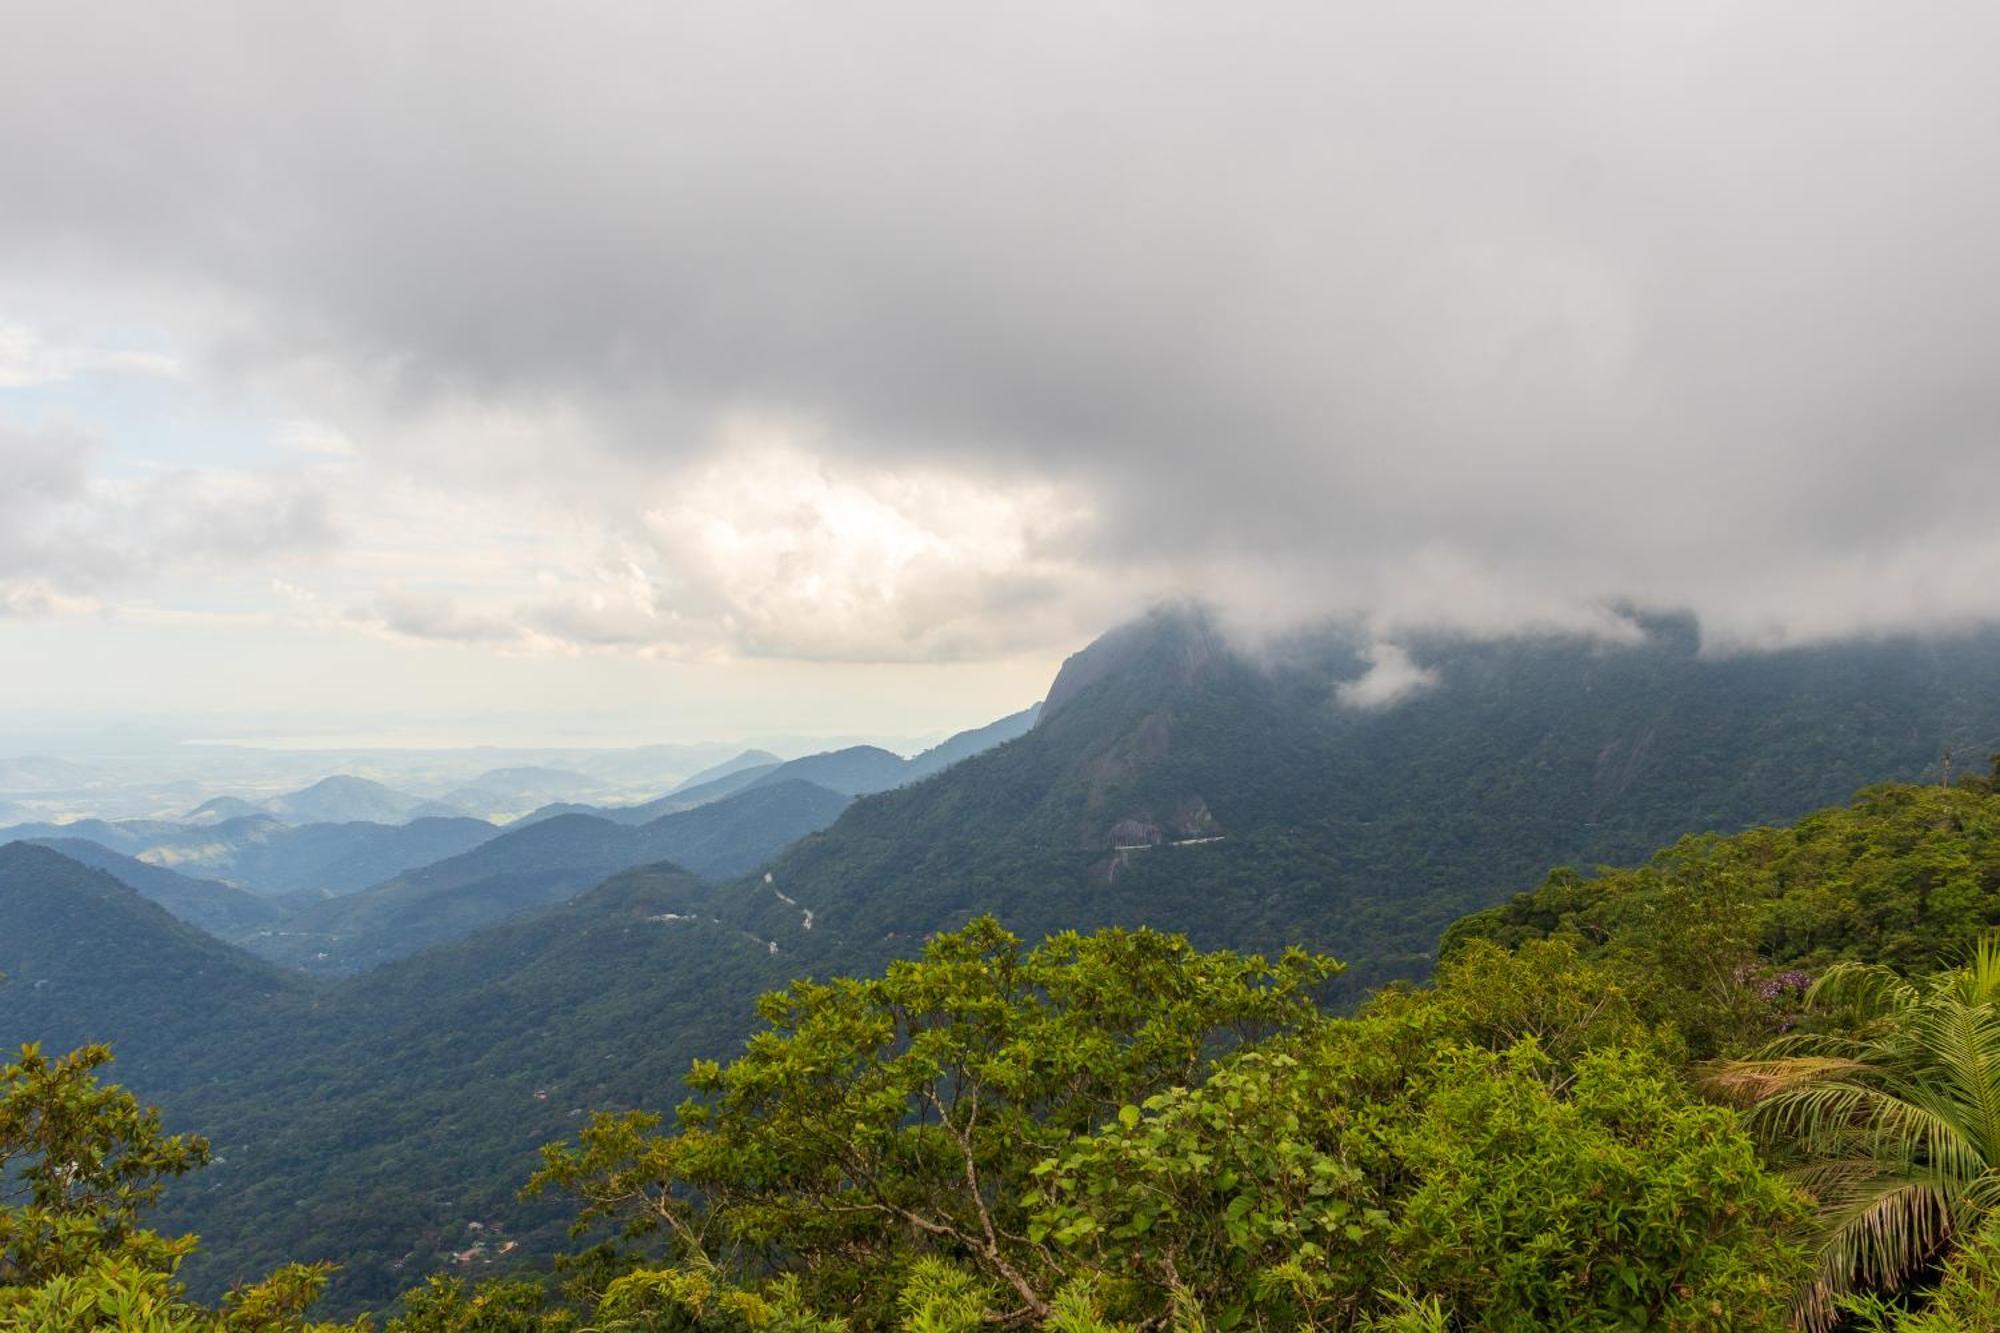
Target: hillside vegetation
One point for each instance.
(1116, 1130)
(1171, 783)
(1175, 781)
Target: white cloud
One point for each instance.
(790, 552)
(435, 617)
(1391, 678)
(70, 532)
(765, 546)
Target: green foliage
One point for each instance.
(502, 1305)
(939, 1297)
(1254, 1196)
(1606, 1201)
(407, 1103)
(79, 1162)
(1902, 875)
(1966, 1300)
(917, 1104)
(1117, 1130)
(1433, 1139)
(1894, 1116)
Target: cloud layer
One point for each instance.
(68, 534)
(1438, 315)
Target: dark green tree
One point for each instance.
(80, 1162)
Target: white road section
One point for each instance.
(789, 901)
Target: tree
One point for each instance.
(1116, 1132)
(874, 1122)
(1894, 1119)
(1506, 1149)
(80, 1161)
(1607, 1200)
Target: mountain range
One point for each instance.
(1173, 777)
(39, 773)
(268, 856)
(340, 799)
(542, 864)
(417, 883)
(857, 770)
(221, 910)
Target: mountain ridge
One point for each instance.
(536, 866)
(1184, 785)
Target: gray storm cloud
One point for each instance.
(1472, 315)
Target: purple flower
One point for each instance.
(1793, 982)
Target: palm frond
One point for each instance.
(1886, 1232)
(1839, 1119)
(1747, 1082)
(1977, 980)
(1896, 1121)
(1965, 1042)
(1870, 988)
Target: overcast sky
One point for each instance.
(671, 371)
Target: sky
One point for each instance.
(556, 373)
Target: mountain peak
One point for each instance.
(27, 855)
(1175, 644)
(344, 798)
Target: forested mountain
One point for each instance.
(85, 958)
(969, 743)
(502, 792)
(226, 912)
(1902, 875)
(338, 858)
(129, 836)
(855, 771)
(1547, 1086)
(267, 855)
(216, 809)
(748, 759)
(1547, 1136)
(1170, 780)
(645, 812)
(544, 863)
(344, 799)
(372, 1119)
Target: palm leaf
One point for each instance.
(1747, 1082)
(1887, 1229)
(1897, 1122)
(1869, 988)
